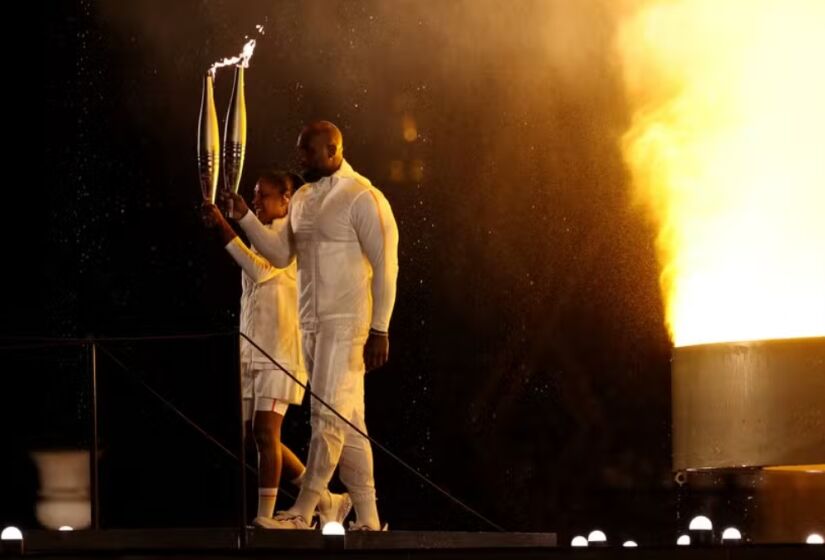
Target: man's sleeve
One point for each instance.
(377, 232)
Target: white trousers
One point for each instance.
(334, 356)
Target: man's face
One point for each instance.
(314, 155)
(269, 203)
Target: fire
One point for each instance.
(241, 60)
(727, 152)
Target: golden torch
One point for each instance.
(234, 146)
(234, 138)
(208, 140)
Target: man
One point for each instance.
(269, 316)
(343, 233)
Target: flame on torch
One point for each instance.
(241, 60)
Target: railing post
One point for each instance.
(94, 482)
(241, 446)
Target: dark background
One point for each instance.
(530, 366)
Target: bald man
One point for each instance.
(342, 231)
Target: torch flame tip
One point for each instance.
(241, 61)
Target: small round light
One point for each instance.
(597, 537)
(579, 541)
(65, 528)
(813, 538)
(700, 523)
(684, 540)
(629, 544)
(731, 534)
(11, 534)
(333, 528)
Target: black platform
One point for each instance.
(261, 543)
(226, 543)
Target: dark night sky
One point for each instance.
(529, 371)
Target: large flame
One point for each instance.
(727, 151)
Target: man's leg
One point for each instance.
(357, 469)
(336, 382)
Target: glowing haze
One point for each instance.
(726, 151)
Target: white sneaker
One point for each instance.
(339, 508)
(284, 520)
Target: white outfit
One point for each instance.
(269, 316)
(344, 235)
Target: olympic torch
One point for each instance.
(209, 142)
(234, 138)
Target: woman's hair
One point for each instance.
(286, 182)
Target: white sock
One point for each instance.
(266, 501)
(366, 513)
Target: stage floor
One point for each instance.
(226, 543)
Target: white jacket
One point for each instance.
(269, 312)
(344, 235)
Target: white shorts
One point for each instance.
(264, 404)
(268, 390)
(269, 383)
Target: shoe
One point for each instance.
(284, 520)
(261, 522)
(353, 526)
(339, 508)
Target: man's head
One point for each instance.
(273, 192)
(320, 150)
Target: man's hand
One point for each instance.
(233, 204)
(376, 350)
